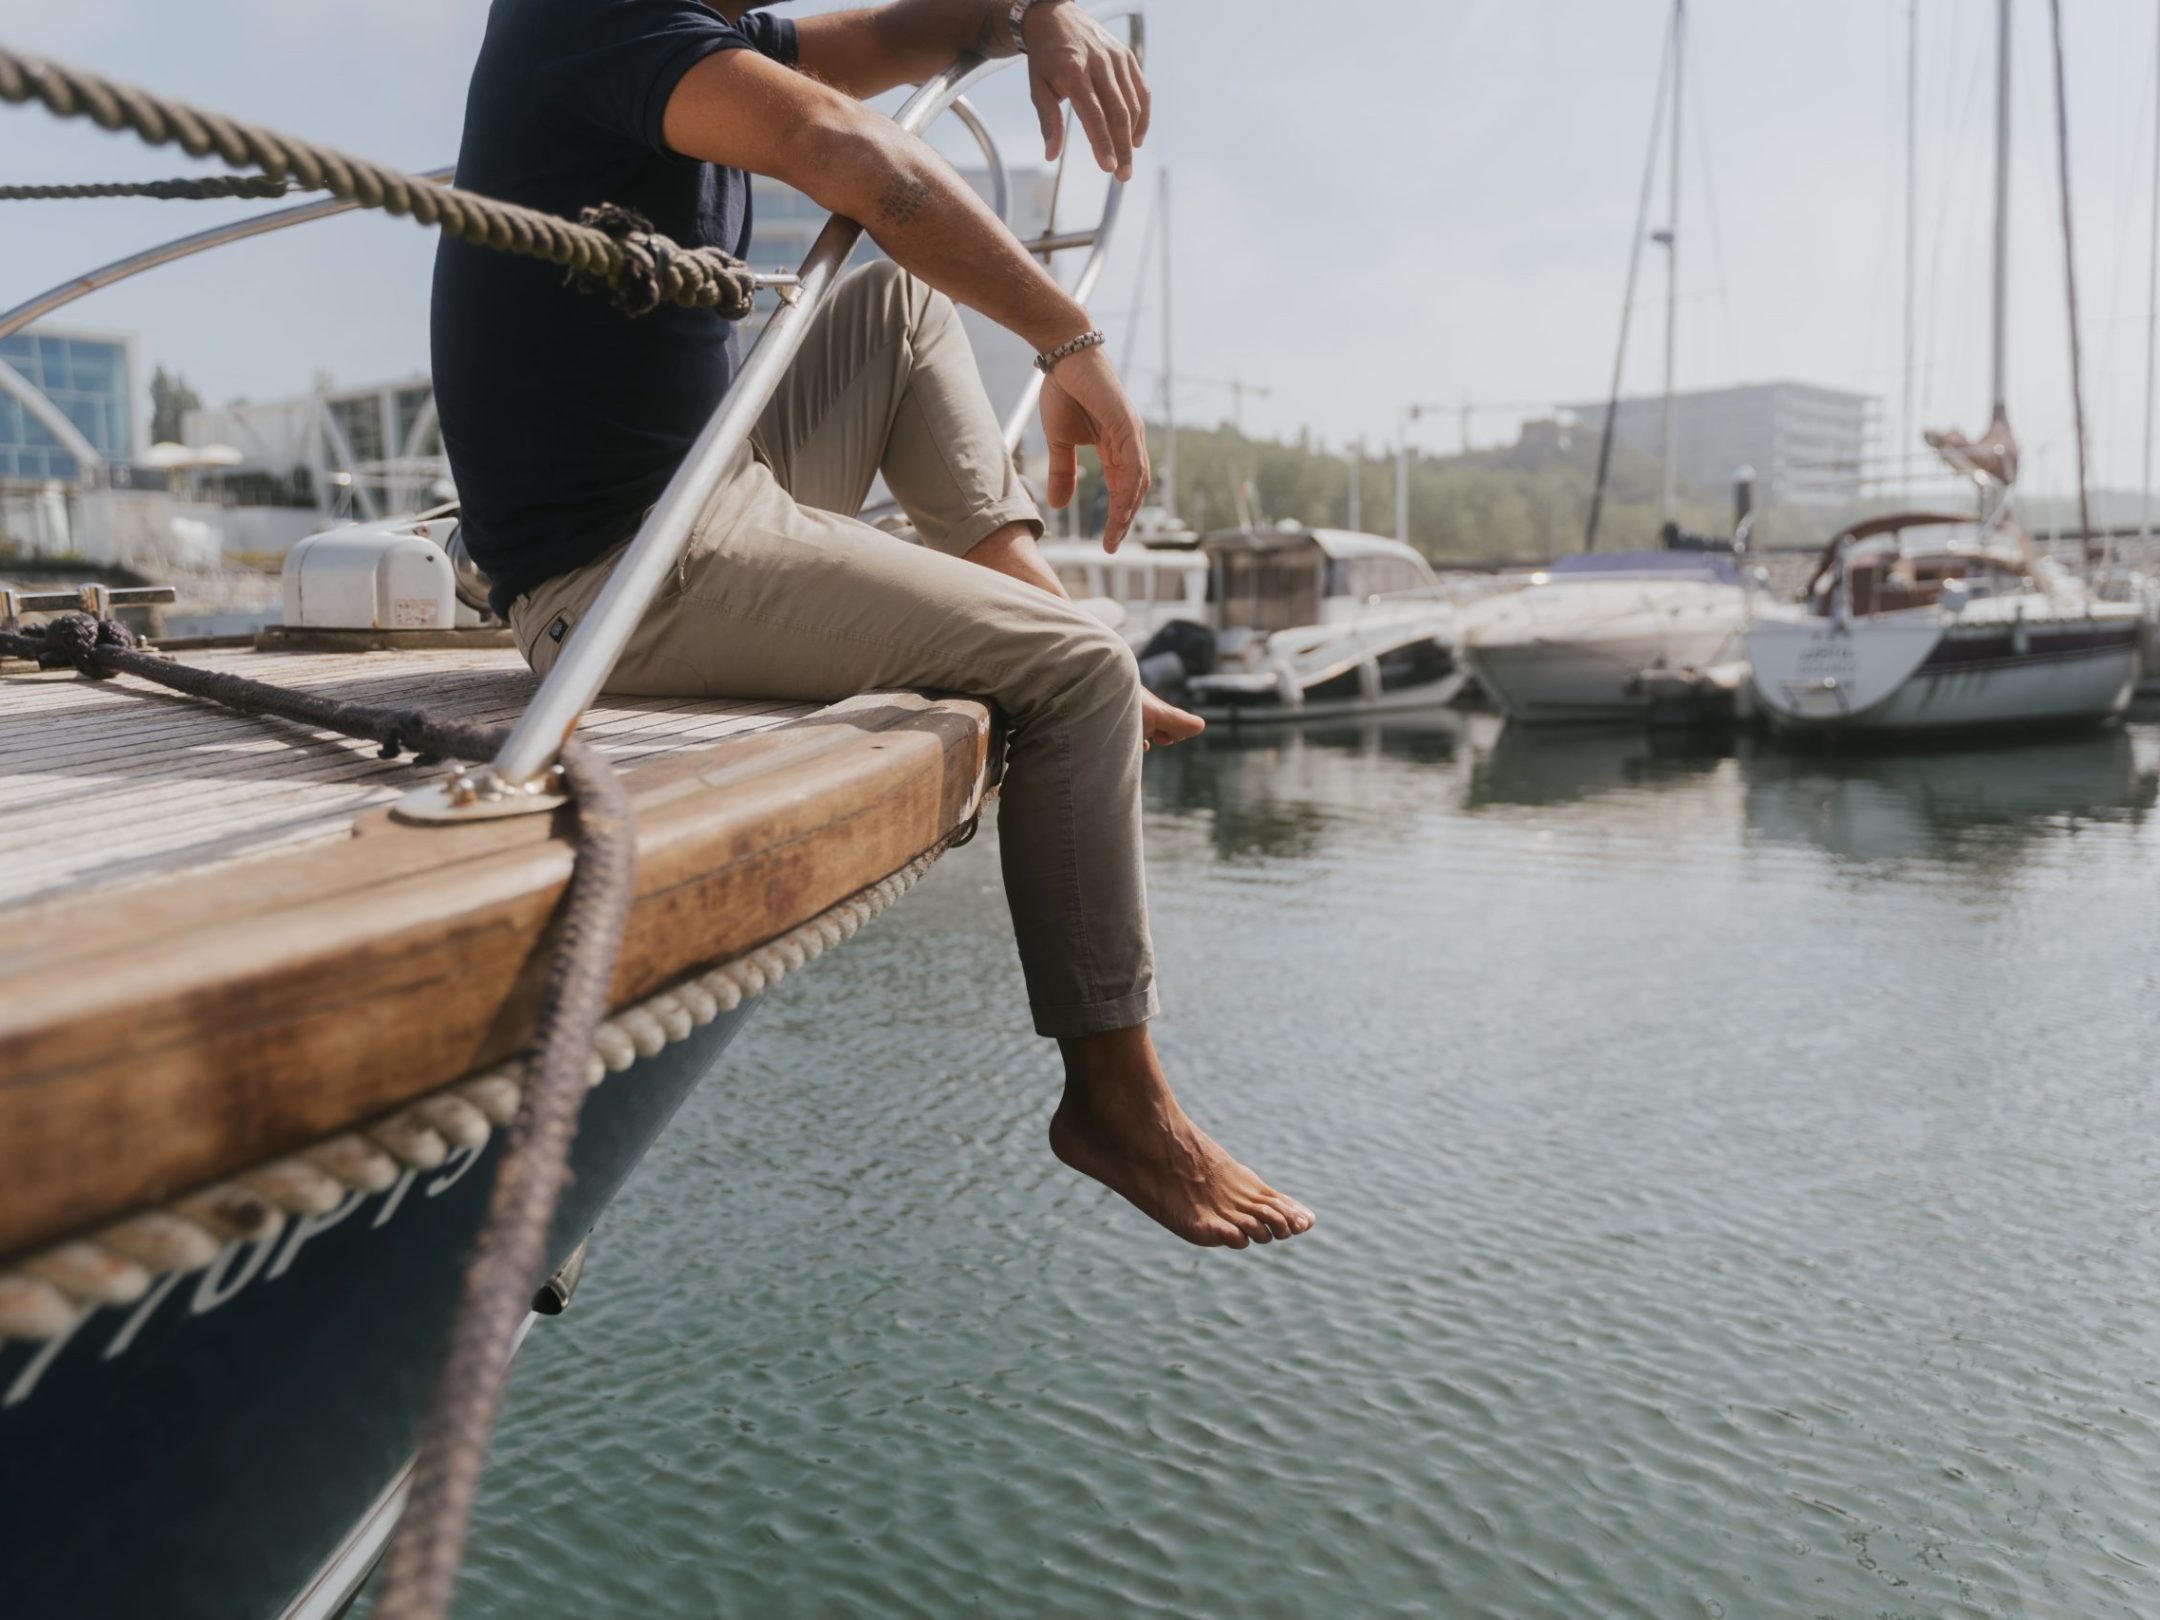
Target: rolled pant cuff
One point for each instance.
(979, 525)
(1096, 1017)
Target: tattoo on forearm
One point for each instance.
(902, 200)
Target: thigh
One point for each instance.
(775, 599)
(824, 431)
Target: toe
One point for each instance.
(1212, 1232)
(1276, 1218)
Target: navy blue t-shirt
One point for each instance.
(563, 418)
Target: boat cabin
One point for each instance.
(1869, 569)
(1282, 578)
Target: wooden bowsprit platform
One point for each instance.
(218, 946)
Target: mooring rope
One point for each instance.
(505, 1262)
(201, 188)
(608, 250)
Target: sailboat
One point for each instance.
(1620, 635)
(1922, 622)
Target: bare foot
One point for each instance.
(1119, 1124)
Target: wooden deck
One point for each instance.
(216, 945)
(106, 783)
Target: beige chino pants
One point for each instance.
(782, 594)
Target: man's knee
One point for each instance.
(1102, 665)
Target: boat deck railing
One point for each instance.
(522, 776)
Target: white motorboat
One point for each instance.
(1607, 636)
(1970, 633)
(1313, 623)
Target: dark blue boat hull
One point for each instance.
(204, 1451)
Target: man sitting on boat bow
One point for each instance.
(563, 421)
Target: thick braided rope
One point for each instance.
(205, 188)
(615, 252)
(504, 1266)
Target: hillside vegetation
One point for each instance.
(1520, 503)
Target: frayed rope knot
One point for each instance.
(72, 640)
(395, 733)
(635, 289)
(656, 269)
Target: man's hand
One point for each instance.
(1083, 404)
(1162, 724)
(1072, 58)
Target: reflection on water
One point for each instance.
(1734, 1198)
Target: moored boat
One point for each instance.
(1313, 623)
(1601, 635)
(1970, 633)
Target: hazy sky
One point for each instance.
(1396, 200)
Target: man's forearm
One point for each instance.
(739, 109)
(904, 42)
(930, 221)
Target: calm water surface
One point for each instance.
(1736, 1193)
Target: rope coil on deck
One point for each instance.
(606, 249)
(204, 188)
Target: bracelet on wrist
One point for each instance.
(1092, 338)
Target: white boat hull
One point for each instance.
(1928, 671)
(1579, 651)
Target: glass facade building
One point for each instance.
(89, 379)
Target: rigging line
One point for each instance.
(1627, 300)
(1692, 89)
(2110, 372)
(2077, 377)
(1957, 126)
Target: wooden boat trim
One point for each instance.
(168, 1035)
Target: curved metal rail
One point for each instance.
(521, 775)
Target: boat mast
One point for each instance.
(1671, 237)
(2092, 547)
(2152, 332)
(1169, 409)
(1999, 325)
(1906, 433)
(1627, 296)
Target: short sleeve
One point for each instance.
(618, 61)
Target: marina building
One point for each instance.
(1809, 445)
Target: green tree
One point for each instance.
(170, 400)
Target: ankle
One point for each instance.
(1112, 1058)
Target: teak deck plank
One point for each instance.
(110, 782)
(213, 1005)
